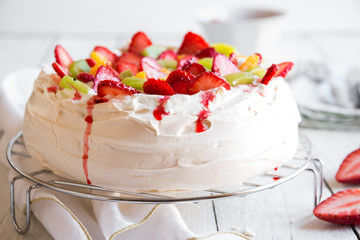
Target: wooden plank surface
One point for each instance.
(284, 212)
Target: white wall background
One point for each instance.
(115, 16)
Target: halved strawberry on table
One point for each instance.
(349, 171)
(114, 88)
(206, 81)
(158, 87)
(341, 208)
(179, 80)
(192, 44)
(139, 42)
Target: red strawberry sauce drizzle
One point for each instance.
(89, 120)
(159, 112)
(207, 97)
(77, 95)
(53, 88)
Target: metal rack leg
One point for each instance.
(25, 229)
(319, 166)
(318, 180)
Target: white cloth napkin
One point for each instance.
(68, 217)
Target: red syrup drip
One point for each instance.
(159, 112)
(207, 97)
(89, 120)
(276, 168)
(53, 89)
(276, 178)
(261, 94)
(77, 95)
(204, 114)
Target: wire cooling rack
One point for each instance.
(16, 154)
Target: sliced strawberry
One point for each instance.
(61, 71)
(168, 54)
(114, 88)
(91, 62)
(104, 73)
(342, 208)
(151, 68)
(233, 58)
(206, 81)
(195, 68)
(270, 73)
(260, 57)
(106, 53)
(127, 66)
(206, 53)
(129, 57)
(179, 80)
(186, 61)
(85, 77)
(223, 66)
(159, 87)
(192, 44)
(62, 57)
(284, 68)
(349, 171)
(128, 60)
(139, 42)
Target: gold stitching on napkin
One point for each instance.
(67, 209)
(134, 225)
(217, 233)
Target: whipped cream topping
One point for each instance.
(250, 129)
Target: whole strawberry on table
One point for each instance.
(144, 67)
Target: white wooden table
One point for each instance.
(284, 212)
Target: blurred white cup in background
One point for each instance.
(248, 29)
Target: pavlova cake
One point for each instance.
(156, 118)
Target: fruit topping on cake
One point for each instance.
(206, 81)
(139, 42)
(223, 66)
(151, 68)
(147, 68)
(114, 88)
(192, 44)
(179, 81)
(159, 87)
(62, 57)
(284, 68)
(109, 55)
